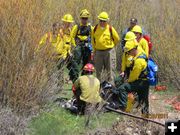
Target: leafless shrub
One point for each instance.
(12, 123)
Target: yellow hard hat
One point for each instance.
(130, 36)
(67, 18)
(130, 45)
(103, 16)
(137, 28)
(84, 13)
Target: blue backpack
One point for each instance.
(152, 69)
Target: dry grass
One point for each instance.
(11, 123)
(23, 23)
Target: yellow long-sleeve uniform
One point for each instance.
(61, 44)
(139, 65)
(144, 45)
(65, 44)
(127, 59)
(102, 38)
(90, 88)
(50, 43)
(82, 36)
(49, 38)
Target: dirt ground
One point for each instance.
(160, 111)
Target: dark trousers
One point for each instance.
(81, 105)
(141, 87)
(127, 72)
(81, 57)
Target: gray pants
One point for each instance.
(105, 64)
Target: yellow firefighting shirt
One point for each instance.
(127, 59)
(139, 66)
(102, 38)
(90, 88)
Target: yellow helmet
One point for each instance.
(103, 16)
(67, 18)
(84, 13)
(130, 45)
(130, 36)
(137, 28)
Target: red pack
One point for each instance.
(73, 89)
(148, 39)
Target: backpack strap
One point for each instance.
(110, 30)
(78, 28)
(143, 57)
(95, 28)
(89, 29)
(144, 72)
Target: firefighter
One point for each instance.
(81, 34)
(66, 42)
(87, 88)
(49, 42)
(137, 81)
(104, 40)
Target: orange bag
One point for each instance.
(160, 88)
(177, 106)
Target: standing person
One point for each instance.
(81, 34)
(87, 89)
(139, 37)
(137, 81)
(104, 40)
(64, 47)
(48, 47)
(66, 43)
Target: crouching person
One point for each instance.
(87, 89)
(137, 81)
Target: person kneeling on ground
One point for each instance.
(137, 81)
(87, 89)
